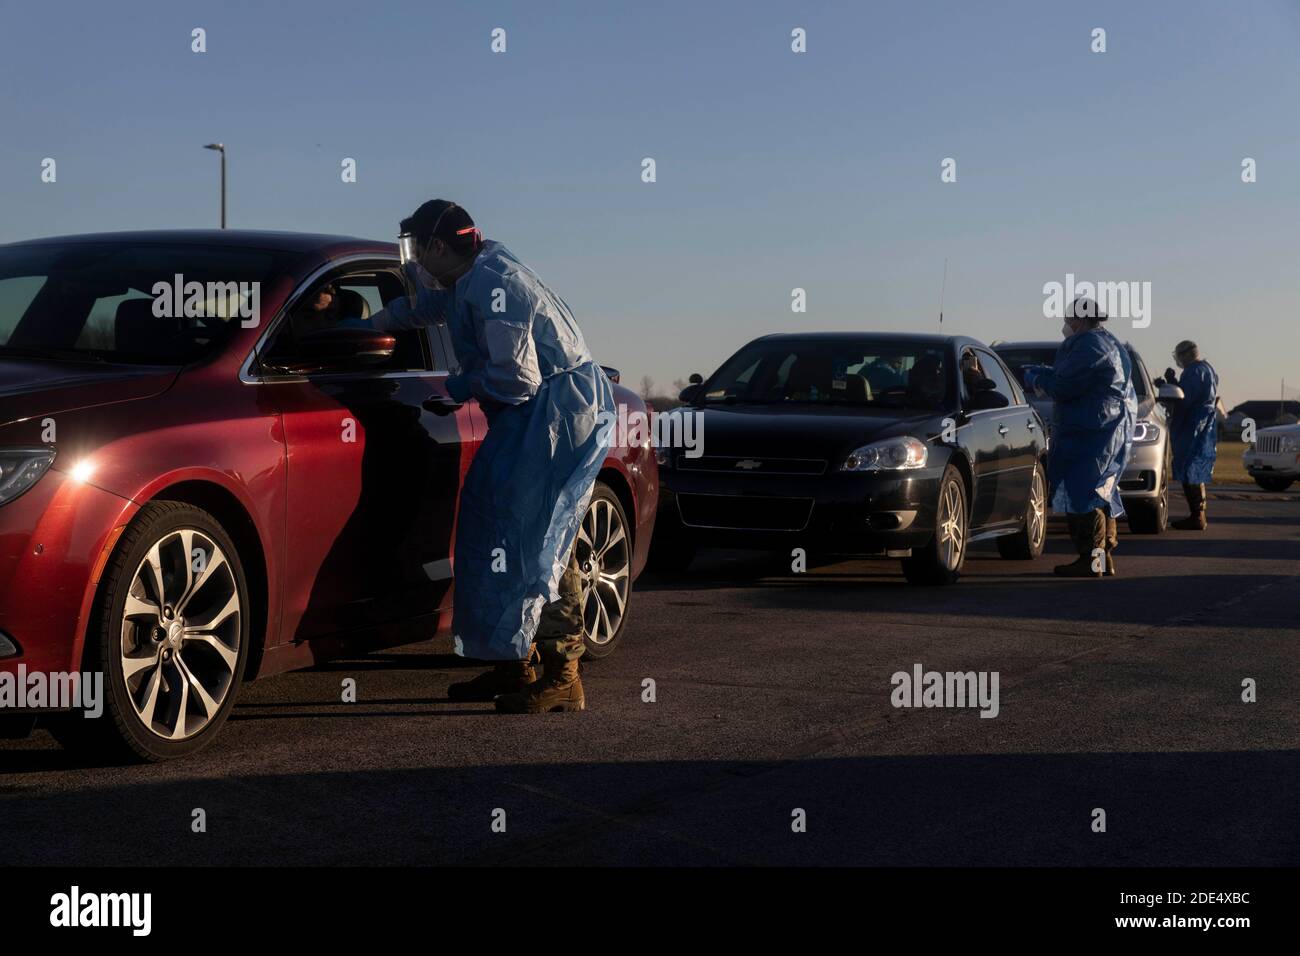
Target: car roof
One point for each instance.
(1052, 344)
(922, 338)
(303, 242)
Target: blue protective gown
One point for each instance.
(1093, 419)
(548, 404)
(1194, 424)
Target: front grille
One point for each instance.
(1269, 444)
(753, 466)
(744, 512)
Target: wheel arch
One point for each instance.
(622, 488)
(958, 460)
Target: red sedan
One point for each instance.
(212, 469)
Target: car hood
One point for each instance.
(29, 389)
(1146, 407)
(776, 431)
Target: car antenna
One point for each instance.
(943, 288)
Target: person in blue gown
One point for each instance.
(1193, 429)
(1093, 419)
(518, 587)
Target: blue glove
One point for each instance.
(1031, 375)
(458, 388)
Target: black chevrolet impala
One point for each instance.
(904, 446)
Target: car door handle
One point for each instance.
(1002, 429)
(1032, 426)
(441, 404)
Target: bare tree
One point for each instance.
(647, 386)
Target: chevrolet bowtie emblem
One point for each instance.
(748, 463)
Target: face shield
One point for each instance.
(406, 249)
(414, 276)
(409, 255)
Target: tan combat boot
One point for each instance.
(1112, 542)
(1089, 534)
(1195, 521)
(560, 689)
(508, 677)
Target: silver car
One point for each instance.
(1144, 486)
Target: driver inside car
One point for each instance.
(971, 371)
(925, 383)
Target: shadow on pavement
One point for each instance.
(1205, 809)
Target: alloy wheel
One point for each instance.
(604, 560)
(180, 634)
(1037, 510)
(951, 526)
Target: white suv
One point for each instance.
(1274, 460)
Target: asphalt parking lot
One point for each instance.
(772, 693)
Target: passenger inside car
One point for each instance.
(330, 307)
(886, 371)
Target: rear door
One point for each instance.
(375, 461)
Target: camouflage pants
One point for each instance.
(559, 631)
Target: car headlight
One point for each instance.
(20, 468)
(1287, 445)
(1146, 433)
(891, 454)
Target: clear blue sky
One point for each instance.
(775, 170)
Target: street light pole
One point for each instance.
(219, 147)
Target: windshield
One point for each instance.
(130, 302)
(1018, 358)
(854, 372)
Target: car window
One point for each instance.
(1141, 378)
(993, 370)
(348, 301)
(100, 330)
(1017, 359)
(129, 301)
(849, 371)
(16, 295)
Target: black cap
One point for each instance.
(1084, 308)
(443, 219)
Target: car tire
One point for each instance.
(941, 561)
(1272, 483)
(1147, 517)
(196, 633)
(1027, 543)
(604, 549)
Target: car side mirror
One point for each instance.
(1168, 394)
(332, 350)
(987, 395)
(688, 394)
